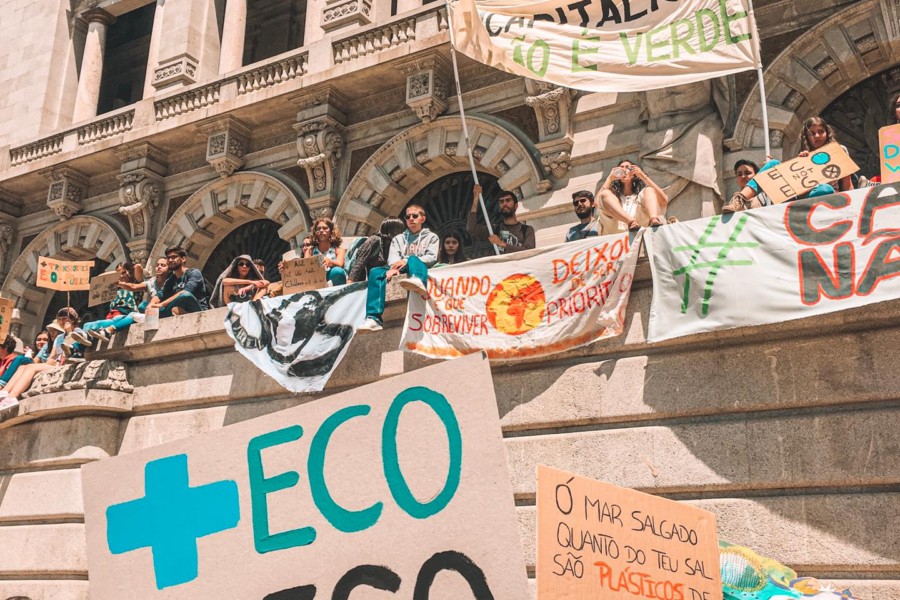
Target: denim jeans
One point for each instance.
(377, 285)
(337, 276)
(186, 301)
(13, 367)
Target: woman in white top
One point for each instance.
(630, 198)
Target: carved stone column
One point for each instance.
(141, 183)
(427, 85)
(153, 52)
(68, 189)
(233, 32)
(226, 142)
(320, 144)
(91, 64)
(553, 107)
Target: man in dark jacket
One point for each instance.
(184, 291)
(509, 235)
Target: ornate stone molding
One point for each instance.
(7, 239)
(140, 191)
(227, 139)
(552, 106)
(320, 145)
(94, 374)
(180, 69)
(68, 189)
(338, 13)
(427, 85)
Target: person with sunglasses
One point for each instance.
(184, 290)
(232, 284)
(584, 204)
(411, 252)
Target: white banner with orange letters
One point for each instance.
(525, 305)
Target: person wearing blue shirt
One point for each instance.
(584, 204)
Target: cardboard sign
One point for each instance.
(598, 540)
(64, 275)
(151, 318)
(290, 255)
(303, 275)
(796, 177)
(6, 313)
(103, 288)
(400, 485)
(889, 144)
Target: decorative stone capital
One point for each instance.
(181, 69)
(142, 156)
(139, 193)
(427, 85)
(226, 142)
(552, 106)
(557, 163)
(68, 189)
(338, 13)
(97, 15)
(320, 145)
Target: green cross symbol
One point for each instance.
(715, 265)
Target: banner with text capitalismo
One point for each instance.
(778, 263)
(609, 45)
(527, 304)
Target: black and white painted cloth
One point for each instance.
(298, 340)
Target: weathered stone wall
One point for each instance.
(787, 432)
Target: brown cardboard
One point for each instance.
(6, 311)
(889, 153)
(478, 520)
(303, 275)
(796, 177)
(64, 275)
(598, 540)
(103, 288)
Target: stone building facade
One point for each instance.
(129, 125)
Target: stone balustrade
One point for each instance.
(187, 101)
(36, 150)
(273, 74)
(374, 40)
(105, 128)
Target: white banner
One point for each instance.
(298, 340)
(527, 304)
(609, 45)
(778, 263)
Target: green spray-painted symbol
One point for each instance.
(715, 265)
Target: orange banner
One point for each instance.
(64, 275)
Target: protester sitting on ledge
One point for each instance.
(374, 251)
(11, 357)
(101, 330)
(24, 375)
(327, 243)
(412, 252)
(451, 252)
(584, 205)
(509, 235)
(184, 290)
(631, 198)
(42, 346)
(816, 133)
(744, 172)
(125, 303)
(238, 282)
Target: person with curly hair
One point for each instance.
(629, 196)
(326, 242)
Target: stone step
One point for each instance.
(36, 589)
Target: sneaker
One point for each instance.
(8, 403)
(67, 348)
(736, 204)
(100, 334)
(81, 337)
(370, 324)
(415, 286)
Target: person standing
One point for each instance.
(584, 204)
(509, 235)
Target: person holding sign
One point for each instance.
(413, 252)
(184, 291)
(815, 134)
(120, 307)
(232, 284)
(327, 244)
(631, 197)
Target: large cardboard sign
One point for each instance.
(889, 145)
(400, 486)
(303, 275)
(103, 288)
(598, 540)
(796, 177)
(64, 275)
(6, 312)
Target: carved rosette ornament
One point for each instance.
(68, 189)
(226, 142)
(552, 106)
(426, 85)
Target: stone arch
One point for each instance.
(79, 238)
(852, 45)
(425, 152)
(223, 205)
